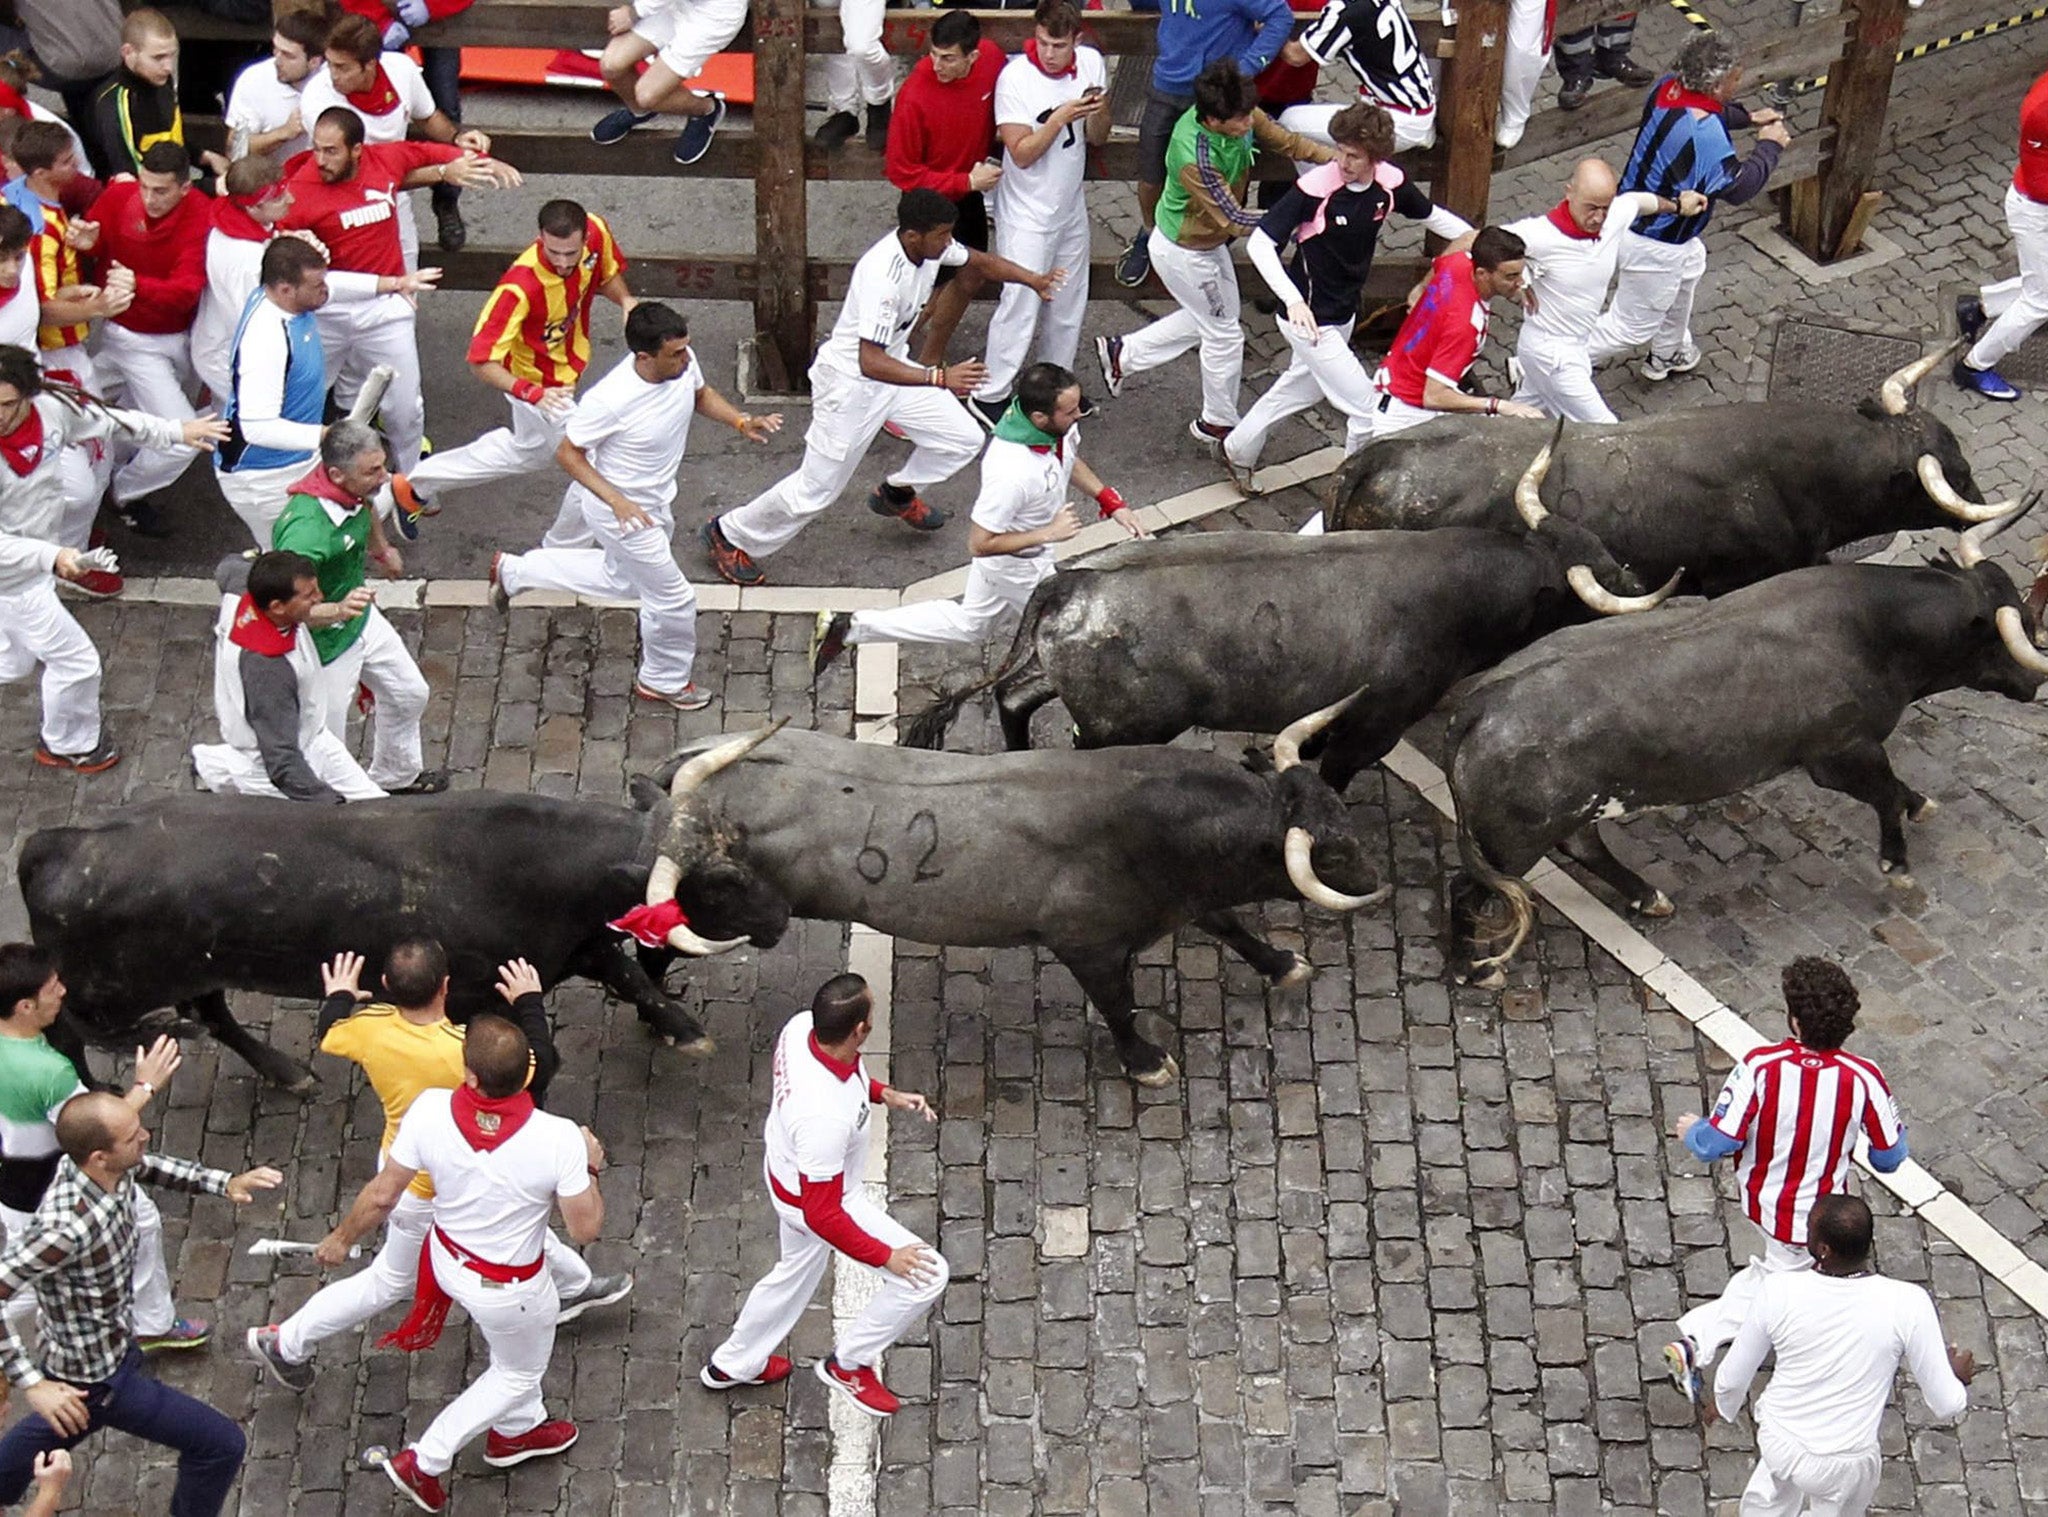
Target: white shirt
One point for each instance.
(1022, 486)
(635, 432)
(1570, 274)
(1048, 193)
(818, 1124)
(262, 102)
(22, 313)
(1839, 1340)
(414, 101)
(883, 299)
(32, 504)
(494, 1202)
(234, 267)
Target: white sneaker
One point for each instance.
(1507, 136)
(1655, 368)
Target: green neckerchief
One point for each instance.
(1017, 427)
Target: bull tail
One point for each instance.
(1512, 891)
(929, 727)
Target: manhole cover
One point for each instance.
(2029, 365)
(1812, 362)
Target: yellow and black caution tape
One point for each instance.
(1907, 55)
(1693, 17)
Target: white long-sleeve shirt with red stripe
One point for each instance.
(817, 1138)
(1791, 1113)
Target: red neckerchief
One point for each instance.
(23, 447)
(1672, 95)
(232, 220)
(1073, 61)
(841, 1069)
(380, 99)
(650, 925)
(320, 487)
(484, 1121)
(1562, 218)
(253, 630)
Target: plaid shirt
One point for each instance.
(79, 1256)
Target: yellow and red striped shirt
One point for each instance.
(537, 322)
(57, 266)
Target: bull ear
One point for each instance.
(645, 794)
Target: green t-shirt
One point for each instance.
(35, 1080)
(341, 554)
(1229, 156)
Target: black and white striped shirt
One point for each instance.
(1375, 39)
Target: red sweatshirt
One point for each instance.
(168, 256)
(940, 131)
(2031, 177)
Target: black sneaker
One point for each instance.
(1089, 407)
(449, 229)
(1135, 264)
(613, 128)
(142, 518)
(602, 1290)
(734, 565)
(104, 757)
(912, 513)
(695, 140)
(428, 782)
(1969, 316)
(878, 128)
(1622, 69)
(828, 639)
(839, 129)
(263, 1348)
(986, 412)
(1109, 352)
(1574, 93)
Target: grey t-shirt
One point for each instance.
(75, 39)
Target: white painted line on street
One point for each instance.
(1917, 1190)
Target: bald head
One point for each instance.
(97, 1122)
(1590, 191)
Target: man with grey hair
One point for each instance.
(329, 519)
(1683, 144)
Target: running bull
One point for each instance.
(175, 902)
(1245, 631)
(1810, 670)
(1090, 855)
(1731, 494)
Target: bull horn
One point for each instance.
(1607, 603)
(1935, 482)
(662, 879)
(1892, 393)
(1970, 544)
(1529, 488)
(709, 762)
(1287, 746)
(682, 940)
(1301, 870)
(2012, 631)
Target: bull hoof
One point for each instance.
(1484, 979)
(1658, 905)
(287, 1075)
(1300, 974)
(1927, 807)
(1899, 881)
(1158, 1079)
(700, 1047)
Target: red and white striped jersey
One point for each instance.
(1796, 1111)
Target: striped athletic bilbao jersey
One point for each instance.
(1378, 41)
(537, 322)
(57, 266)
(1796, 1111)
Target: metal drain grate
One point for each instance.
(2028, 365)
(1812, 362)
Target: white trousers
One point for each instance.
(36, 629)
(239, 771)
(1411, 128)
(154, 1313)
(864, 72)
(1205, 283)
(152, 372)
(2020, 305)
(391, 1278)
(1652, 298)
(1557, 377)
(772, 1307)
(1712, 1325)
(1021, 315)
(359, 335)
(845, 416)
(87, 468)
(1788, 1480)
(639, 565)
(526, 447)
(258, 496)
(1325, 369)
(1522, 68)
(518, 1325)
(998, 585)
(379, 660)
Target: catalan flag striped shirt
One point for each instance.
(537, 322)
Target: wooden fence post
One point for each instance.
(1826, 215)
(1470, 106)
(784, 316)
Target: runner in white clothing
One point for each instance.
(1050, 110)
(497, 1166)
(264, 113)
(817, 1140)
(675, 39)
(20, 312)
(1377, 41)
(862, 378)
(1571, 255)
(1839, 1331)
(1021, 512)
(623, 447)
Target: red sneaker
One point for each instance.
(863, 1387)
(734, 565)
(712, 1378)
(549, 1438)
(426, 1491)
(98, 583)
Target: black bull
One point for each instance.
(1245, 631)
(1810, 670)
(1730, 494)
